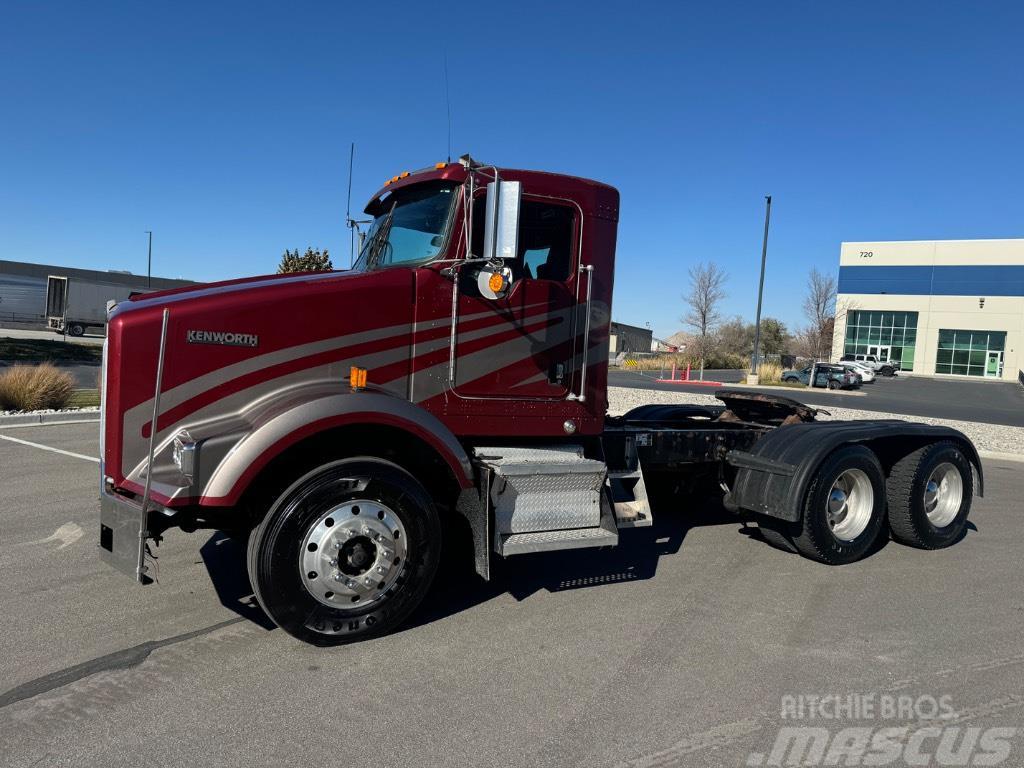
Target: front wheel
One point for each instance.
(833, 384)
(930, 493)
(347, 552)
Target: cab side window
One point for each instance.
(545, 240)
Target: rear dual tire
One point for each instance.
(925, 501)
(843, 510)
(929, 494)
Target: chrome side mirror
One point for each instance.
(501, 225)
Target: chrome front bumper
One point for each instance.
(123, 534)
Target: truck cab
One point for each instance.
(455, 379)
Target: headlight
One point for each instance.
(184, 455)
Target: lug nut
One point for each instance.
(350, 584)
(380, 569)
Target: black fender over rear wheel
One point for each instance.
(929, 493)
(347, 552)
(843, 510)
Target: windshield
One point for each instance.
(409, 226)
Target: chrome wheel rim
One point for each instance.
(943, 494)
(849, 504)
(354, 555)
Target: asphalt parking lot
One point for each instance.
(988, 402)
(675, 649)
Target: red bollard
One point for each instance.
(687, 372)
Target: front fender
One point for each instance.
(773, 476)
(270, 439)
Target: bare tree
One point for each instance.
(820, 310)
(704, 297)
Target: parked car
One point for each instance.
(880, 367)
(826, 375)
(865, 371)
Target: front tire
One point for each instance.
(930, 493)
(347, 552)
(833, 384)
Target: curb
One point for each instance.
(693, 382)
(58, 417)
(997, 456)
(815, 390)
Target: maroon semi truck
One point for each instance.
(455, 380)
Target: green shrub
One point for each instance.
(35, 387)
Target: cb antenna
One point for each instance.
(448, 106)
(352, 224)
(348, 207)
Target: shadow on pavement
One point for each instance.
(224, 558)
(457, 587)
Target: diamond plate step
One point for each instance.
(543, 489)
(604, 535)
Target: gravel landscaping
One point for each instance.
(990, 438)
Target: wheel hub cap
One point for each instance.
(943, 495)
(850, 504)
(353, 555)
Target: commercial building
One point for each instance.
(935, 307)
(629, 339)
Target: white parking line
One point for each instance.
(48, 448)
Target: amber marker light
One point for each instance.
(496, 282)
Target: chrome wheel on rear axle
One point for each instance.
(849, 504)
(353, 554)
(943, 494)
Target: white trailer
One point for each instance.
(73, 304)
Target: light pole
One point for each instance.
(149, 262)
(760, 287)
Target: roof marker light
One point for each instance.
(404, 174)
(439, 166)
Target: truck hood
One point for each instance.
(237, 284)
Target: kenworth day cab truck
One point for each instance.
(455, 379)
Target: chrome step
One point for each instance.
(604, 535)
(543, 489)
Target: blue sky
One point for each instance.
(224, 127)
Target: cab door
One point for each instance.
(521, 345)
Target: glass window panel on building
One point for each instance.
(970, 353)
(890, 335)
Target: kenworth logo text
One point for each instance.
(223, 337)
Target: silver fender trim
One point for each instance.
(268, 440)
